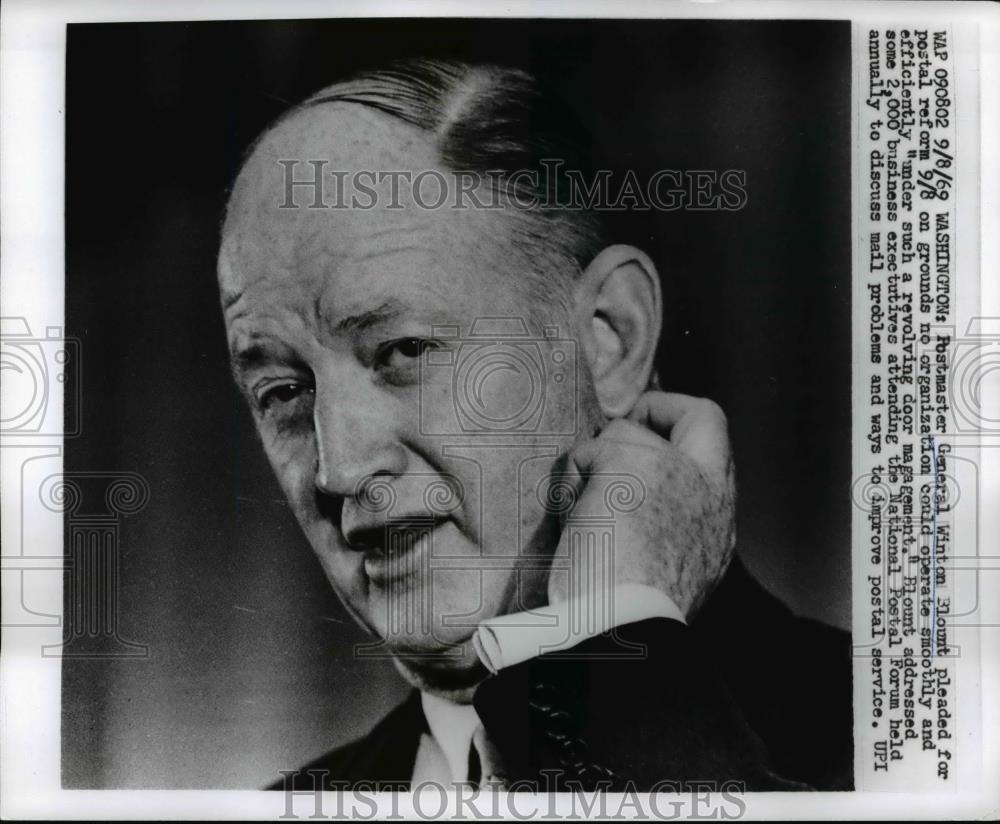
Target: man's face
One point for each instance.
(426, 519)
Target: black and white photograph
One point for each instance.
(383, 313)
(548, 414)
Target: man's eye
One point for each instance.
(281, 394)
(398, 352)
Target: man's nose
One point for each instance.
(353, 443)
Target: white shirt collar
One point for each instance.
(452, 726)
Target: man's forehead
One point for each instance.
(338, 139)
(264, 243)
(325, 249)
(349, 136)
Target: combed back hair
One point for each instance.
(494, 121)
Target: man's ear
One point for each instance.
(620, 309)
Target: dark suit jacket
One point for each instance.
(748, 693)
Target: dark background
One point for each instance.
(250, 665)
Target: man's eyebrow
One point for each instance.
(244, 359)
(390, 310)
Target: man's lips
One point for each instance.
(377, 537)
(394, 548)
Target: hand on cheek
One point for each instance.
(680, 536)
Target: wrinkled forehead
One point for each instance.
(273, 231)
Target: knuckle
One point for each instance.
(710, 409)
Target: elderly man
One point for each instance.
(454, 389)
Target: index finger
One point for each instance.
(696, 426)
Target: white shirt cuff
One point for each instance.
(512, 639)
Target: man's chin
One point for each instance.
(438, 666)
(444, 649)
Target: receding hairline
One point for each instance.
(451, 105)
